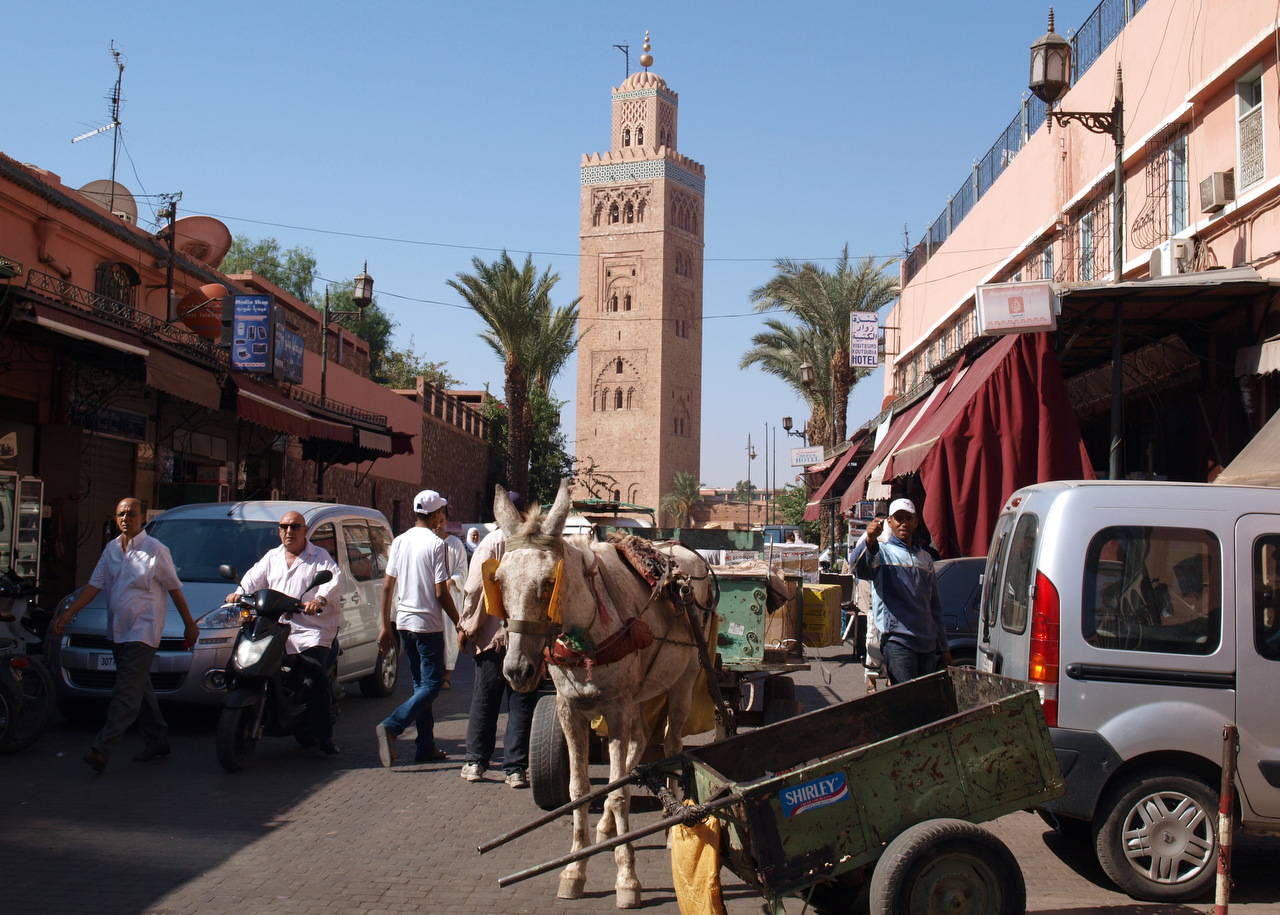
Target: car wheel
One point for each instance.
(947, 866)
(548, 757)
(8, 716)
(1158, 840)
(382, 682)
(964, 659)
(779, 688)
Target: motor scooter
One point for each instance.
(266, 696)
(26, 698)
(21, 618)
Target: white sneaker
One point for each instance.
(472, 772)
(517, 779)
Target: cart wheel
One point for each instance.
(776, 710)
(947, 866)
(779, 688)
(548, 757)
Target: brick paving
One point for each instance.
(297, 833)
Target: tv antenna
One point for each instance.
(114, 99)
(626, 50)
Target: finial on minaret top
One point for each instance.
(646, 59)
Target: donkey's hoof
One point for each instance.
(628, 898)
(571, 887)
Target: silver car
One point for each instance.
(202, 537)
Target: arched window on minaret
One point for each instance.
(629, 212)
(639, 136)
(626, 136)
(617, 495)
(613, 302)
(618, 369)
(617, 399)
(630, 393)
(613, 213)
(604, 399)
(640, 211)
(595, 216)
(626, 302)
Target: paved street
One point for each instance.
(299, 833)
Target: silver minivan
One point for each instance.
(202, 537)
(1146, 615)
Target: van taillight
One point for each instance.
(1042, 669)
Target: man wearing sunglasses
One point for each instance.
(135, 571)
(313, 636)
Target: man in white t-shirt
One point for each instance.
(135, 572)
(417, 585)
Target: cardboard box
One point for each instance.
(821, 615)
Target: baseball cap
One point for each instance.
(901, 505)
(429, 501)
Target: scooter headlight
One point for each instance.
(249, 652)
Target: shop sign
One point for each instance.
(1016, 308)
(864, 340)
(288, 359)
(251, 322)
(122, 424)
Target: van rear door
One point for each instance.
(1258, 674)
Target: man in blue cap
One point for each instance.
(905, 604)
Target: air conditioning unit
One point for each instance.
(1173, 256)
(1217, 191)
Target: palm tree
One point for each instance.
(823, 302)
(781, 350)
(683, 499)
(532, 339)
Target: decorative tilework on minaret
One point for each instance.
(639, 408)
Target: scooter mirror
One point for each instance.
(322, 577)
(228, 572)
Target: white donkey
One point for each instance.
(611, 641)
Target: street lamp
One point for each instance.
(361, 295)
(751, 456)
(806, 373)
(786, 427)
(1050, 80)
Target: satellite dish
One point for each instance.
(203, 238)
(113, 196)
(201, 309)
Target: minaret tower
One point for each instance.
(639, 411)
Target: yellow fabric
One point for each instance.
(553, 606)
(695, 867)
(492, 590)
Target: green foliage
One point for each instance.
(822, 302)
(401, 368)
(532, 339)
(744, 490)
(683, 499)
(550, 462)
(291, 269)
(372, 325)
(790, 503)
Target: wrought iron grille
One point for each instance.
(1251, 145)
(311, 399)
(1151, 224)
(147, 325)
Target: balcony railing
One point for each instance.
(199, 348)
(1087, 44)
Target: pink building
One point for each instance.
(115, 380)
(1192, 314)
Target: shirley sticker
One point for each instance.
(820, 792)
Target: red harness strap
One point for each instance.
(634, 636)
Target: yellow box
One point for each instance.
(821, 615)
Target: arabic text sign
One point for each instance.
(1015, 308)
(249, 349)
(864, 340)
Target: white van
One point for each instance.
(1146, 615)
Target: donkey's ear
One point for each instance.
(506, 514)
(554, 523)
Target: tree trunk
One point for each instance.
(519, 428)
(841, 382)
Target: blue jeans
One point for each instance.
(903, 664)
(488, 690)
(425, 653)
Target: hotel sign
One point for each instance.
(805, 457)
(864, 340)
(1016, 308)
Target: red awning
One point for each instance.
(333, 432)
(266, 406)
(897, 428)
(814, 506)
(183, 379)
(1007, 424)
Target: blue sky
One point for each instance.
(419, 135)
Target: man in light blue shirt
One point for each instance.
(905, 604)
